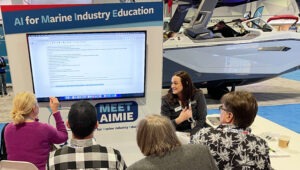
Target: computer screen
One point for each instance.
(93, 65)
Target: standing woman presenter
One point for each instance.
(26, 138)
(184, 104)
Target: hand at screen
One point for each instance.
(54, 104)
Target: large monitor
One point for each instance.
(93, 65)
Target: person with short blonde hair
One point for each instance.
(26, 138)
(157, 140)
(24, 104)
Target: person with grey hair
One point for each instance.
(157, 140)
(232, 144)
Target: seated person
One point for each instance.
(169, 34)
(184, 104)
(26, 138)
(157, 140)
(232, 144)
(83, 152)
(224, 29)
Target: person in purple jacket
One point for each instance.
(26, 138)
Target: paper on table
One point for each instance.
(278, 153)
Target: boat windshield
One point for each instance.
(258, 23)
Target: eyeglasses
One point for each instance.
(221, 108)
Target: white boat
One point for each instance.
(257, 53)
(284, 22)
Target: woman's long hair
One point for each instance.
(188, 90)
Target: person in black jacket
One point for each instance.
(184, 104)
(224, 29)
(3, 90)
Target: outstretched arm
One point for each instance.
(60, 134)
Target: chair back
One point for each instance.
(16, 165)
(3, 154)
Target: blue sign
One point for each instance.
(23, 19)
(2, 42)
(116, 112)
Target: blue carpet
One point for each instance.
(295, 75)
(284, 115)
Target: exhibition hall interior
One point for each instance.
(128, 75)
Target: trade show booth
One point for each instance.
(108, 54)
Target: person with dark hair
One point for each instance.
(224, 29)
(157, 140)
(184, 104)
(83, 152)
(3, 90)
(231, 143)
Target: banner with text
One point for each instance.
(32, 18)
(116, 112)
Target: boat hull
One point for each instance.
(232, 64)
